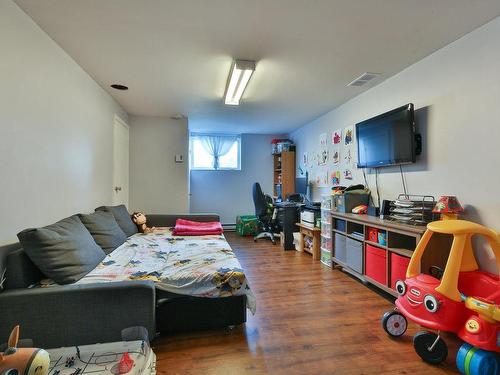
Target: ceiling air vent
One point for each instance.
(363, 79)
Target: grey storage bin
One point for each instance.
(354, 254)
(340, 247)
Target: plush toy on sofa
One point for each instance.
(140, 220)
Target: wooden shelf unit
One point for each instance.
(284, 170)
(401, 239)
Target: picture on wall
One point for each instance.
(335, 178)
(336, 157)
(348, 174)
(337, 137)
(348, 135)
(348, 157)
(323, 157)
(323, 139)
(304, 159)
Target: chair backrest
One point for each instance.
(259, 201)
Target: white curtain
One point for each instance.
(217, 146)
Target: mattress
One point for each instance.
(199, 266)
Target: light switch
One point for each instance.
(179, 158)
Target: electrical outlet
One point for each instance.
(179, 158)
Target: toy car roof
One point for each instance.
(462, 227)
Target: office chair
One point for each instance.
(264, 212)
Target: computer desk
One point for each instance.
(288, 214)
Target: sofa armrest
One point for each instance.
(67, 315)
(155, 220)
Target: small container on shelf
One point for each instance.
(372, 234)
(326, 230)
(326, 257)
(326, 242)
(382, 238)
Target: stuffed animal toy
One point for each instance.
(28, 361)
(140, 220)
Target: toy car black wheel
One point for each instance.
(394, 323)
(431, 348)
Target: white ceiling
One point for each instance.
(175, 54)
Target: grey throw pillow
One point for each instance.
(104, 229)
(122, 217)
(64, 251)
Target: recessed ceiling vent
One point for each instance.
(363, 79)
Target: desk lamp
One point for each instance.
(449, 207)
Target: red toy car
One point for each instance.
(460, 299)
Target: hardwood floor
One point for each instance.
(309, 320)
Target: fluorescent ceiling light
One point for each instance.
(240, 74)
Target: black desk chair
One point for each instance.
(264, 211)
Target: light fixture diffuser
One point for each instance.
(240, 74)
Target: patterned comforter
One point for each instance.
(201, 266)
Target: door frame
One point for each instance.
(117, 120)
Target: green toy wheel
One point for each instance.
(431, 348)
(474, 361)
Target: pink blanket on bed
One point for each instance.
(196, 228)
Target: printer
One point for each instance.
(309, 213)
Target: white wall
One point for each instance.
(56, 128)
(456, 92)
(157, 183)
(229, 193)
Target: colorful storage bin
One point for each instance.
(376, 264)
(399, 265)
(247, 225)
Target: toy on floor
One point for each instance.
(140, 220)
(28, 361)
(460, 299)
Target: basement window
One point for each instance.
(215, 152)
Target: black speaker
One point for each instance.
(384, 210)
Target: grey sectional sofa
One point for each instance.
(67, 315)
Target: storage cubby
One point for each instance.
(398, 241)
(340, 225)
(356, 230)
(382, 260)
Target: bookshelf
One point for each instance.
(284, 173)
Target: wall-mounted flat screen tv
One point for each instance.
(387, 139)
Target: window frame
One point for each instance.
(198, 135)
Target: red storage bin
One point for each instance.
(373, 234)
(399, 264)
(375, 264)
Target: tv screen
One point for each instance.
(387, 139)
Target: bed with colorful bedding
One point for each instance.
(197, 266)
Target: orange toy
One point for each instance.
(27, 361)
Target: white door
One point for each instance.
(120, 162)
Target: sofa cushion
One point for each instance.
(20, 272)
(122, 217)
(64, 251)
(104, 229)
